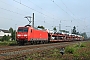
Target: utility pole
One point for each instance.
(60, 26)
(71, 26)
(33, 21)
(15, 32)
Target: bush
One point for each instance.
(3, 43)
(7, 43)
(0, 40)
(83, 45)
(5, 38)
(80, 45)
(69, 50)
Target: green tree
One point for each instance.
(77, 33)
(84, 35)
(8, 37)
(12, 33)
(64, 31)
(55, 30)
(42, 27)
(11, 30)
(5, 38)
(74, 30)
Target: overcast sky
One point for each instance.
(48, 13)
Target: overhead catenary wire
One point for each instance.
(9, 15)
(45, 11)
(15, 12)
(11, 11)
(14, 6)
(33, 9)
(27, 6)
(10, 19)
(62, 9)
(5, 17)
(42, 8)
(67, 8)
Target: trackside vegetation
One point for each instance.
(8, 43)
(78, 51)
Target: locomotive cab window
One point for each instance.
(25, 30)
(20, 30)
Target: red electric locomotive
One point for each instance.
(29, 34)
(32, 35)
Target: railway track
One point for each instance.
(12, 51)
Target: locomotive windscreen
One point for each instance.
(23, 30)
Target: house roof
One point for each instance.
(5, 31)
(1, 37)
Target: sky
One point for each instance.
(48, 13)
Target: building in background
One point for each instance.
(4, 32)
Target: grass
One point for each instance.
(83, 51)
(29, 59)
(80, 45)
(74, 48)
(7, 43)
(79, 51)
(70, 50)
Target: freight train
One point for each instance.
(28, 34)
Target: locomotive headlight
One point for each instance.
(18, 35)
(25, 35)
